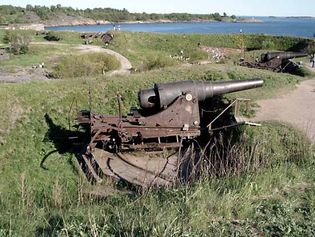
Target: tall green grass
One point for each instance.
(277, 199)
(46, 54)
(135, 45)
(34, 201)
(156, 50)
(156, 61)
(66, 37)
(266, 187)
(81, 65)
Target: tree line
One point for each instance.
(29, 14)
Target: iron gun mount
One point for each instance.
(277, 62)
(171, 115)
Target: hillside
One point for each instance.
(265, 187)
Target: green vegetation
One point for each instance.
(260, 204)
(34, 14)
(270, 191)
(153, 61)
(47, 54)
(90, 64)
(18, 41)
(52, 36)
(135, 46)
(65, 37)
(51, 202)
(154, 50)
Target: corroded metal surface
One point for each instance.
(170, 121)
(142, 169)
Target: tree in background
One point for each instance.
(18, 41)
(216, 16)
(10, 14)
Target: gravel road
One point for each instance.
(296, 108)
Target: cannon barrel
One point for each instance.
(282, 55)
(163, 95)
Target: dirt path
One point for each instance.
(31, 73)
(124, 62)
(296, 108)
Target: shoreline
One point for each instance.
(85, 23)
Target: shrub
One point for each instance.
(18, 41)
(154, 61)
(52, 36)
(85, 65)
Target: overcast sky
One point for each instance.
(237, 7)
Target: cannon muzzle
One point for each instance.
(162, 95)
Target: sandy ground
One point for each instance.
(296, 108)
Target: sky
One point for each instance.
(236, 7)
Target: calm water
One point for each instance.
(304, 27)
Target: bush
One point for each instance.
(85, 65)
(154, 61)
(51, 36)
(18, 41)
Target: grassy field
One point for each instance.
(37, 54)
(141, 48)
(137, 46)
(273, 195)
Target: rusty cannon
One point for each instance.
(277, 62)
(146, 146)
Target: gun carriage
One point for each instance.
(147, 146)
(276, 61)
